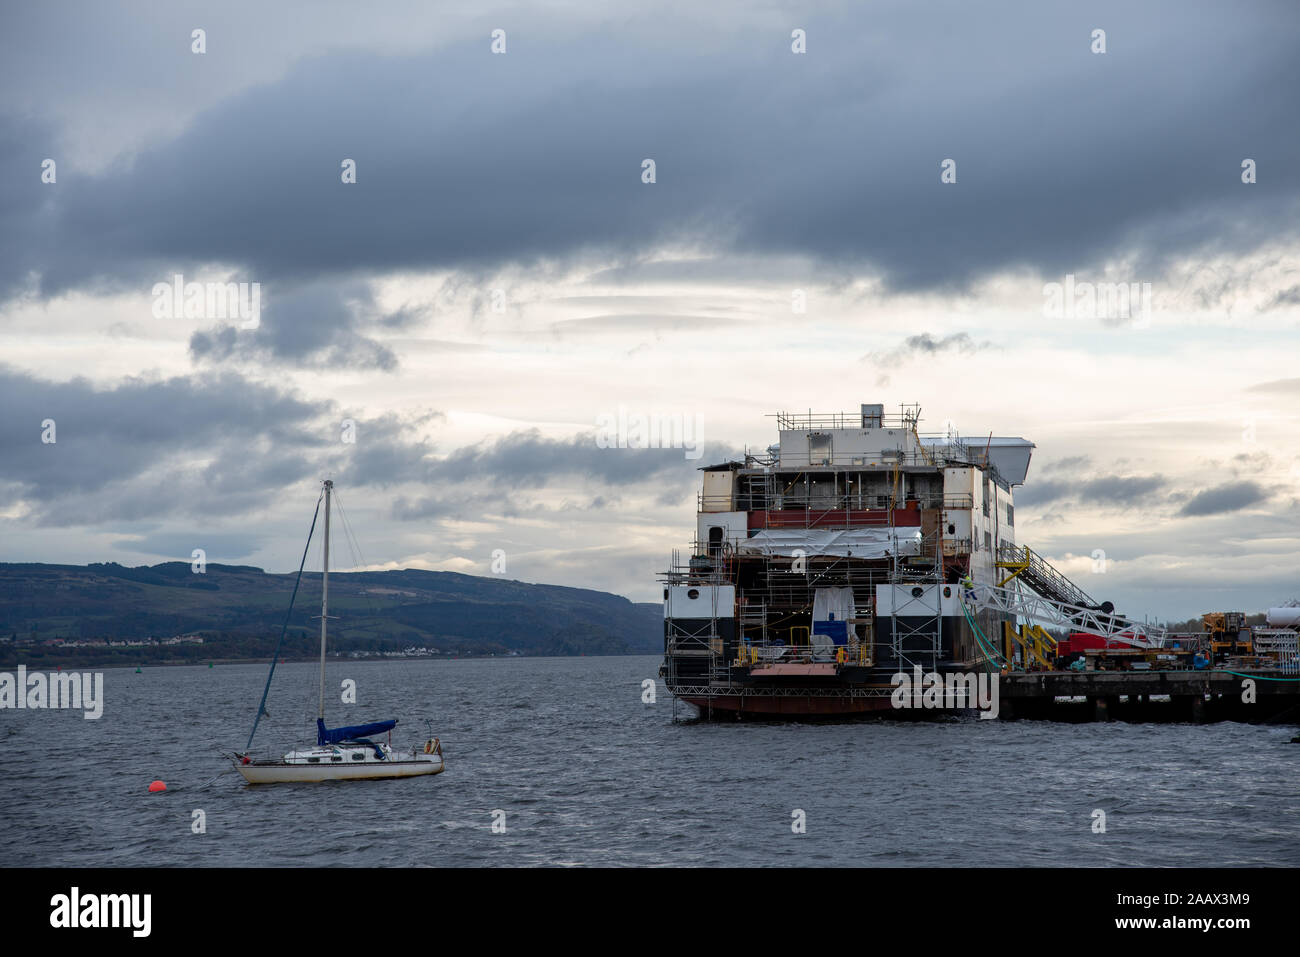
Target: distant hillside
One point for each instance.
(238, 610)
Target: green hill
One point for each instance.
(239, 609)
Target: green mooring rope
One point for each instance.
(985, 644)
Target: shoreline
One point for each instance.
(73, 665)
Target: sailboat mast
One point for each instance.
(324, 598)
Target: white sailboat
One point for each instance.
(340, 754)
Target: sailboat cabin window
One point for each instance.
(313, 760)
(358, 757)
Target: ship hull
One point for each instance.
(280, 773)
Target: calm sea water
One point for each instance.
(589, 775)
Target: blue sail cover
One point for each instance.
(325, 735)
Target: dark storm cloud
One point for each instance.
(1285, 297)
(212, 444)
(386, 455)
(464, 503)
(317, 325)
(404, 317)
(102, 435)
(529, 459)
(1252, 463)
(1071, 463)
(1121, 490)
(1107, 490)
(458, 503)
(1043, 492)
(219, 444)
(1225, 498)
(469, 161)
(925, 344)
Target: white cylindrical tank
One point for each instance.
(1286, 617)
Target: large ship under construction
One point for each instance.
(858, 548)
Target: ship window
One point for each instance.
(337, 757)
(952, 529)
(313, 760)
(358, 757)
(693, 594)
(918, 591)
(1011, 515)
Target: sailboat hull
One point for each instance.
(277, 772)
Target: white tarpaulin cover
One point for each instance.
(828, 602)
(844, 542)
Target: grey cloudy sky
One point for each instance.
(499, 277)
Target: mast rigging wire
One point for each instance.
(261, 708)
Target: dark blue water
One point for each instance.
(589, 775)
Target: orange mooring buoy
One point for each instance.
(157, 786)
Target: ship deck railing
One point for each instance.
(793, 421)
(850, 502)
(927, 457)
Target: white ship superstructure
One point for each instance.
(839, 557)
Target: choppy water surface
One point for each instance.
(589, 775)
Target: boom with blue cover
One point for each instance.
(326, 736)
